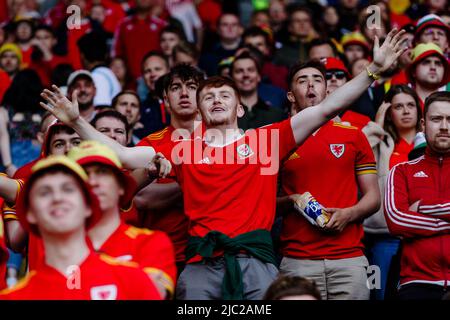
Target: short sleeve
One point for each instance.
(365, 160)
(9, 210)
(144, 143)
(281, 135)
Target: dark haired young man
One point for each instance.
(160, 203)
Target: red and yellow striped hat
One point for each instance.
(93, 152)
(423, 51)
(355, 38)
(45, 164)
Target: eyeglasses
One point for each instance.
(338, 74)
(432, 33)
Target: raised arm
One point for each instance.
(159, 167)
(68, 112)
(310, 119)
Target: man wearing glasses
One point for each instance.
(431, 28)
(336, 74)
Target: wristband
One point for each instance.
(372, 75)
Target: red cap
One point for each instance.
(335, 64)
(91, 152)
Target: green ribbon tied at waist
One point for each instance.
(257, 243)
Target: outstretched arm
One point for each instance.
(159, 167)
(9, 188)
(159, 196)
(310, 119)
(68, 112)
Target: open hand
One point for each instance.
(159, 166)
(388, 53)
(60, 106)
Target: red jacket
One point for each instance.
(425, 233)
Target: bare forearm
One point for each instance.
(158, 196)
(366, 206)
(8, 189)
(68, 112)
(131, 158)
(142, 178)
(16, 236)
(88, 132)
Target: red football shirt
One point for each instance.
(172, 221)
(400, 154)
(114, 13)
(326, 165)
(152, 250)
(26, 57)
(232, 188)
(355, 119)
(134, 38)
(36, 252)
(399, 78)
(99, 277)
